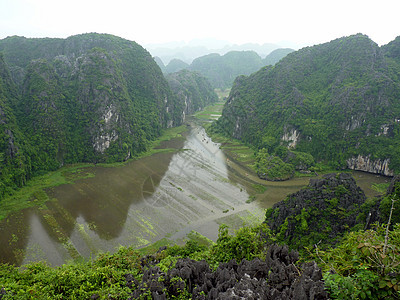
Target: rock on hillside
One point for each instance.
(321, 212)
(275, 278)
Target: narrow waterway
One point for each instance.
(164, 195)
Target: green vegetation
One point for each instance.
(276, 55)
(222, 70)
(320, 213)
(15, 162)
(106, 108)
(323, 222)
(271, 167)
(34, 192)
(334, 101)
(105, 275)
(380, 187)
(234, 149)
(282, 165)
(360, 267)
(211, 112)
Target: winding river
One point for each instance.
(165, 195)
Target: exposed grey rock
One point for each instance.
(365, 163)
(275, 278)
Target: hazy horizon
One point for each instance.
(301, 23)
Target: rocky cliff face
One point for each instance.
(336, 101)
(366, 164)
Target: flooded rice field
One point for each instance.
(165, 195)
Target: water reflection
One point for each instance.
(104, 200)
(166, 194)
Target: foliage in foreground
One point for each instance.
(105, 275)
(360, 267)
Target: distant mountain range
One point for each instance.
(221, 70)
(187, 52)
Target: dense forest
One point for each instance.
(337, 101)
(87, 98)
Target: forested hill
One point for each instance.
(88, 98)
(338, 101)
(193, 91)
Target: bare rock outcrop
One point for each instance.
(276, 277)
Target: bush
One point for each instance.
(361, 267)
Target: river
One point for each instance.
(165, 195)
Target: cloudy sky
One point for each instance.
(302, 22)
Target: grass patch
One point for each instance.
(200, 239)
(234, 149)
(211, 112)
(380, 187)
(259, 188)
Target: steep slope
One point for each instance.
(14, 159)
(337, 101)
(41, 115)
(392, 49)
(160, 63)
(107, 92)
(192, 90)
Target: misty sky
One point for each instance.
(303, 22)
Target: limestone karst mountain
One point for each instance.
(88, 98)
(338, 101)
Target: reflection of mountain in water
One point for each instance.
(101, 203)
(104, 201)
(162, 195)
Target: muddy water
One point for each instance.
(164, 195)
